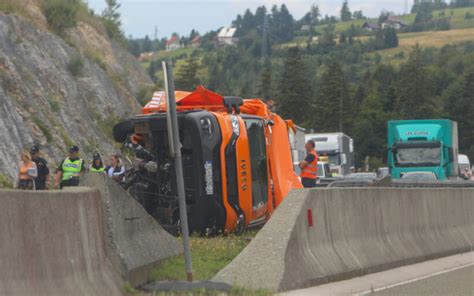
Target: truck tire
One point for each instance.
(122, 130)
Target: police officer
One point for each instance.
(309, 166)
(70, 170)
(42, 179)
(97, 165)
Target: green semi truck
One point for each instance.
(429, 145)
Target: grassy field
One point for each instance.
(209, 255)
(456, 15)
(436, 39)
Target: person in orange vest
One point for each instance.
(309, 166)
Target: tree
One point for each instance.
(61, 14)
(346, 14)
(326, 40)
(314, 15)
(295, 93)
(334, 104)
(459, 105)
(186, 78)
(282, 24)
(390, 38)
(147, 45)
(111, 20)
(152, 68)
(414, 88)
(370, 131)
(359, 15)
(265, 85)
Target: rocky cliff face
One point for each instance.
(56, 93)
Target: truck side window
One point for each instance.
(258, 159)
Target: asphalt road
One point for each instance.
(457, 282)
(448, 276)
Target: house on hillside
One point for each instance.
(173, 43)
(196, 42)
(226, 36)
(394, 22)
(372, 27)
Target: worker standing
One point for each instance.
(309, 166)
(97, 165)
(42, 180)
(70, 170)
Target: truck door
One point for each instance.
(259, 167)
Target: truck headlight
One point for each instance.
(235, 125)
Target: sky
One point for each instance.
(140, 17)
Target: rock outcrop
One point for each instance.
(56, 91)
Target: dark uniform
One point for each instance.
(42, 167)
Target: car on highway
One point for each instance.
(428, 176)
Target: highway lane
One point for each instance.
(453, 275)
(456, 282)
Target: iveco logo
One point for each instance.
(243, 174)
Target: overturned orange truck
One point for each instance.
(236, 159)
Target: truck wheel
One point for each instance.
(122, 130)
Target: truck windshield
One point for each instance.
(418, 156)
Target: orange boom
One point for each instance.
(236, 158)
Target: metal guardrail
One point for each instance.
(432, 184)
(400, 183)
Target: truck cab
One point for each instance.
(423, 146)
(338, 148)
(236, 156)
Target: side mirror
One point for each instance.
(343, 159)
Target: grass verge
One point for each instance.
(209, 255)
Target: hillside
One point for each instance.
(56, 91)
(456, 17)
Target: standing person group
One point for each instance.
(34, 174)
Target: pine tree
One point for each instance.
(111, 20)
(415, 100)
(346, 14)
(459, 104)
(265, 85)
(147, 45)
(334, 105)
(186, 78)
(370, 132)
(295, 93)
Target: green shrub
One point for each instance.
(55, 103)
(5, 181)
(96, 57)
(43, 127)
(75, 65)
(61, 14)
(144, 94)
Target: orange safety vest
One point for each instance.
(310, 171)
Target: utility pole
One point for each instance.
(175, 152)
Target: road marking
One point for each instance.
(414, 280)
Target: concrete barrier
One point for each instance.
(354, 231)
(135, 242)
(51, 243)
